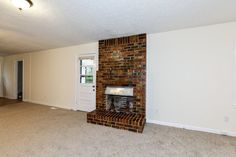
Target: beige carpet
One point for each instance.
(4, 101)
(29, 130)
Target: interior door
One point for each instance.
(86, 94)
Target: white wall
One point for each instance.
(190, 77)
(49, 76)
(53, 75)
(9, 75)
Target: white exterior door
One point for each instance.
(86, 91)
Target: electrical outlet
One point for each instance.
(44, 97)
(226, 119)
(224, 133)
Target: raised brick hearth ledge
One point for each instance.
(129, 121)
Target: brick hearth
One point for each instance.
(122, 62)
(128, 121)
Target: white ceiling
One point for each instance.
(58, 23)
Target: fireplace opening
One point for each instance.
(119, 99)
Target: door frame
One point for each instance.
(16, 79)
(77, 75)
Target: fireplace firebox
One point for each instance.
(119, 99)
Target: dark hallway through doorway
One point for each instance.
(19, 80)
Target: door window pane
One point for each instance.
(86, 62)
(86, 71)
(86, 79)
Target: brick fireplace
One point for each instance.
(122, 72)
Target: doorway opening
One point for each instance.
(19, 77)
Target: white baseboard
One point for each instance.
(46, 104)
(25, 100)
(176, 125)
(194, 128)
(10, 97)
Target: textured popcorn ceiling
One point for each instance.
(58, 23)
